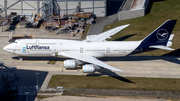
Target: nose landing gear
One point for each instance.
(22, 58)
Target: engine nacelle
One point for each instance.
(89, 68)
(70, 63)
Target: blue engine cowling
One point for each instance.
(70, 63)
(88, 68)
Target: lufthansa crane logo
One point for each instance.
(24, 50)
(162, 34)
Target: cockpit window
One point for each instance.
(16, 41)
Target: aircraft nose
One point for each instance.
(4, 48)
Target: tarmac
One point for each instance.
(100, 23)
(74, 98)
(133, 66)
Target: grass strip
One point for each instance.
(105, 82)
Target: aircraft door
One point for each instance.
(108, 50)
(37, 42)
(81, 50)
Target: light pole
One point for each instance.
(37, 80)
(27, 95)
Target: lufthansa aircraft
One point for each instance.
(87, 51)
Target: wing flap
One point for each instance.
(89, 59)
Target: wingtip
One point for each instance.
(125, 25)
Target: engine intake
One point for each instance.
(89, 68)
(71, 63)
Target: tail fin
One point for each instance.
(158, 39)
(162, 33)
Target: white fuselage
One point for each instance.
(51, 47)
(94, 47)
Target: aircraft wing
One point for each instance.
(89, 59)
(103, 36)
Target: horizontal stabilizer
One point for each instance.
(161, 47)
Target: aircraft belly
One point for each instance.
(118, 53)
(30, 54)
(34, 53)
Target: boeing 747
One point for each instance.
(88, 50)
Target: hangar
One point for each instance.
(126, 9)
(98, 7)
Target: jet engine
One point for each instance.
(89, 68)
(71, 63)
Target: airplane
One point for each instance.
(86, 52)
